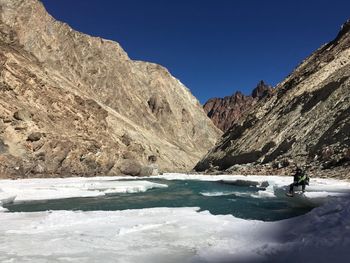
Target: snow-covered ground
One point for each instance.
(57, 188)
(171, 234)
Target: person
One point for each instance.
(300, 178)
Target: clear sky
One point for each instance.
(215, 47)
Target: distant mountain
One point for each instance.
(306, 121)
(225, 112)
(72, 104)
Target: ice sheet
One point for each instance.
(171, 234)
(5, 198)
(45, 189)
(217, 193)
(147, 235)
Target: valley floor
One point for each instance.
(171, 234)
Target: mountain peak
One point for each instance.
(346, 26)
(344, 29)
(226, 111)
(261, 90)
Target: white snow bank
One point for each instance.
(146, 235)
(323, 235)
(214, 193)
(174, 235)
(45, 189)
(5, 198)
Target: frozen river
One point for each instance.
(240, 199)
(173, 218)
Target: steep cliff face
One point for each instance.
(75, 104)
(306, 121)
(225, 112)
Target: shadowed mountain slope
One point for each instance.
(306, 121)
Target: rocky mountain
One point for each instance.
(225, 112)
(306, 121)
(72, 104)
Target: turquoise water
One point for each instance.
(219, 198)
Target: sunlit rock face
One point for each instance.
(225, 112)
(305, 121)
(75, 104)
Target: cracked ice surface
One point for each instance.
(173, 235)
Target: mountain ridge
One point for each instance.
(98, 111)
(305, 122)
(225, 112)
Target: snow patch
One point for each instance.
(218, 193)
(175, 235)
(5, 198)
(46, 189)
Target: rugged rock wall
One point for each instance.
(225, 112)
(306, 121)
(71, 104)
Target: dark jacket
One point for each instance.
(300, 177)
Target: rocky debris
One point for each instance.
(11, 166)
(3, 147)
(35, 136)
(149, 170)
(152, 159)
(278, 168)
(126, 139)
(134, 168)
(2, 126)
(305, 121)
(90, 115)
(158, 106)
(225, 112)
(262, 90)
(130, 167)
(22, 115)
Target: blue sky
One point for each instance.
(215, 47)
